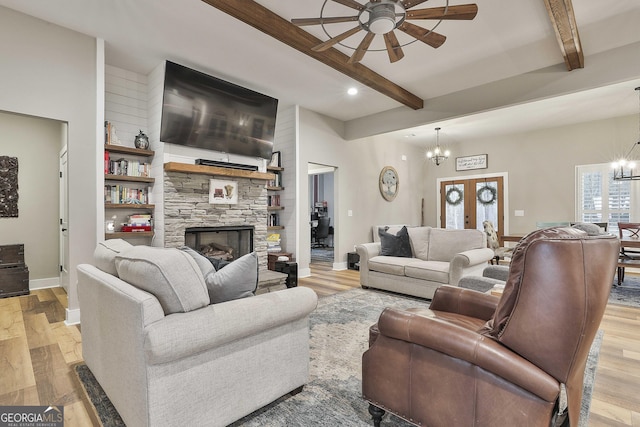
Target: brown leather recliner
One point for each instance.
(472, 359)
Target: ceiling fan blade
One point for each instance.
(362, 48)
(301, 22)
(329, 43)
(351, 3)
(431, 38)
(463, 11)
(410, 3)
(393, 47)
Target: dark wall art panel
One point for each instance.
(8, 187)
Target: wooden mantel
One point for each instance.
(217, 171)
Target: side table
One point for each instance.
(353, 261)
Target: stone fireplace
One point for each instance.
(186, 205)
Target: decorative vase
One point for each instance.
(142, 141)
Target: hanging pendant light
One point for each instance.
(624, 169)
(437, 155)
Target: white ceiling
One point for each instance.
(506, 39)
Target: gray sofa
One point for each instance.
(438, 257)
(165, 356)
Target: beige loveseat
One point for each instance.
(174, 359)
(437, 257)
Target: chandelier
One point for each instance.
(623, 169)
(437, 155)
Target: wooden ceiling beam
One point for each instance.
(261, 18)
(564, 24)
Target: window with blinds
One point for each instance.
(601, 199)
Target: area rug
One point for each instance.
(338, 337)
(628, 293)
(321, 254)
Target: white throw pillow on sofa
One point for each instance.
(170, 274)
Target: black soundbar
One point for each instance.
(219, 164)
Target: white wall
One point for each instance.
(358, 165)
(36, 143)
(49, 71)
(286, 135)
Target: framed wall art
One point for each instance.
(8, 187)
(479, 161)
(223, 192)
(275, 159)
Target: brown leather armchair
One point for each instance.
(476, 360)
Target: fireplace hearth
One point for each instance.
(225, 243)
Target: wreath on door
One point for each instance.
(454, 196)
(486, 195)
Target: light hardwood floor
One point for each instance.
(37, 352)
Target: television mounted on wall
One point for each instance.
(202, 111)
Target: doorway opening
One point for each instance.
(322, 212)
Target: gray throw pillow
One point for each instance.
(236, 280)
(169, 274)
(395, 244)
(104, 257)
(203, 262)
(590, 229)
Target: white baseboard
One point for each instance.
(50, 282)
(304, 272)
(72, 317)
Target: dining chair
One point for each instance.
(629, 257)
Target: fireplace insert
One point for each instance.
(226, 243)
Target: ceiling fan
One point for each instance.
(381, 17)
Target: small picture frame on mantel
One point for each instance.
(479, 161)
(275, 159)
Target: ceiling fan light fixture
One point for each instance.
(382, 18)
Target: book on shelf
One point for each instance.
(273, 220)
(135, 228)
(273, 200)
(127, 167)
(274, 182)
(140, 220)
(273, 237)
(121, 194)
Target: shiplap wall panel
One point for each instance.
(126, 103)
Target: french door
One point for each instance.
(467, 203)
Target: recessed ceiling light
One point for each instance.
(410, 135)
(352, 91)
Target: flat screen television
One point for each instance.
(203, 111)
